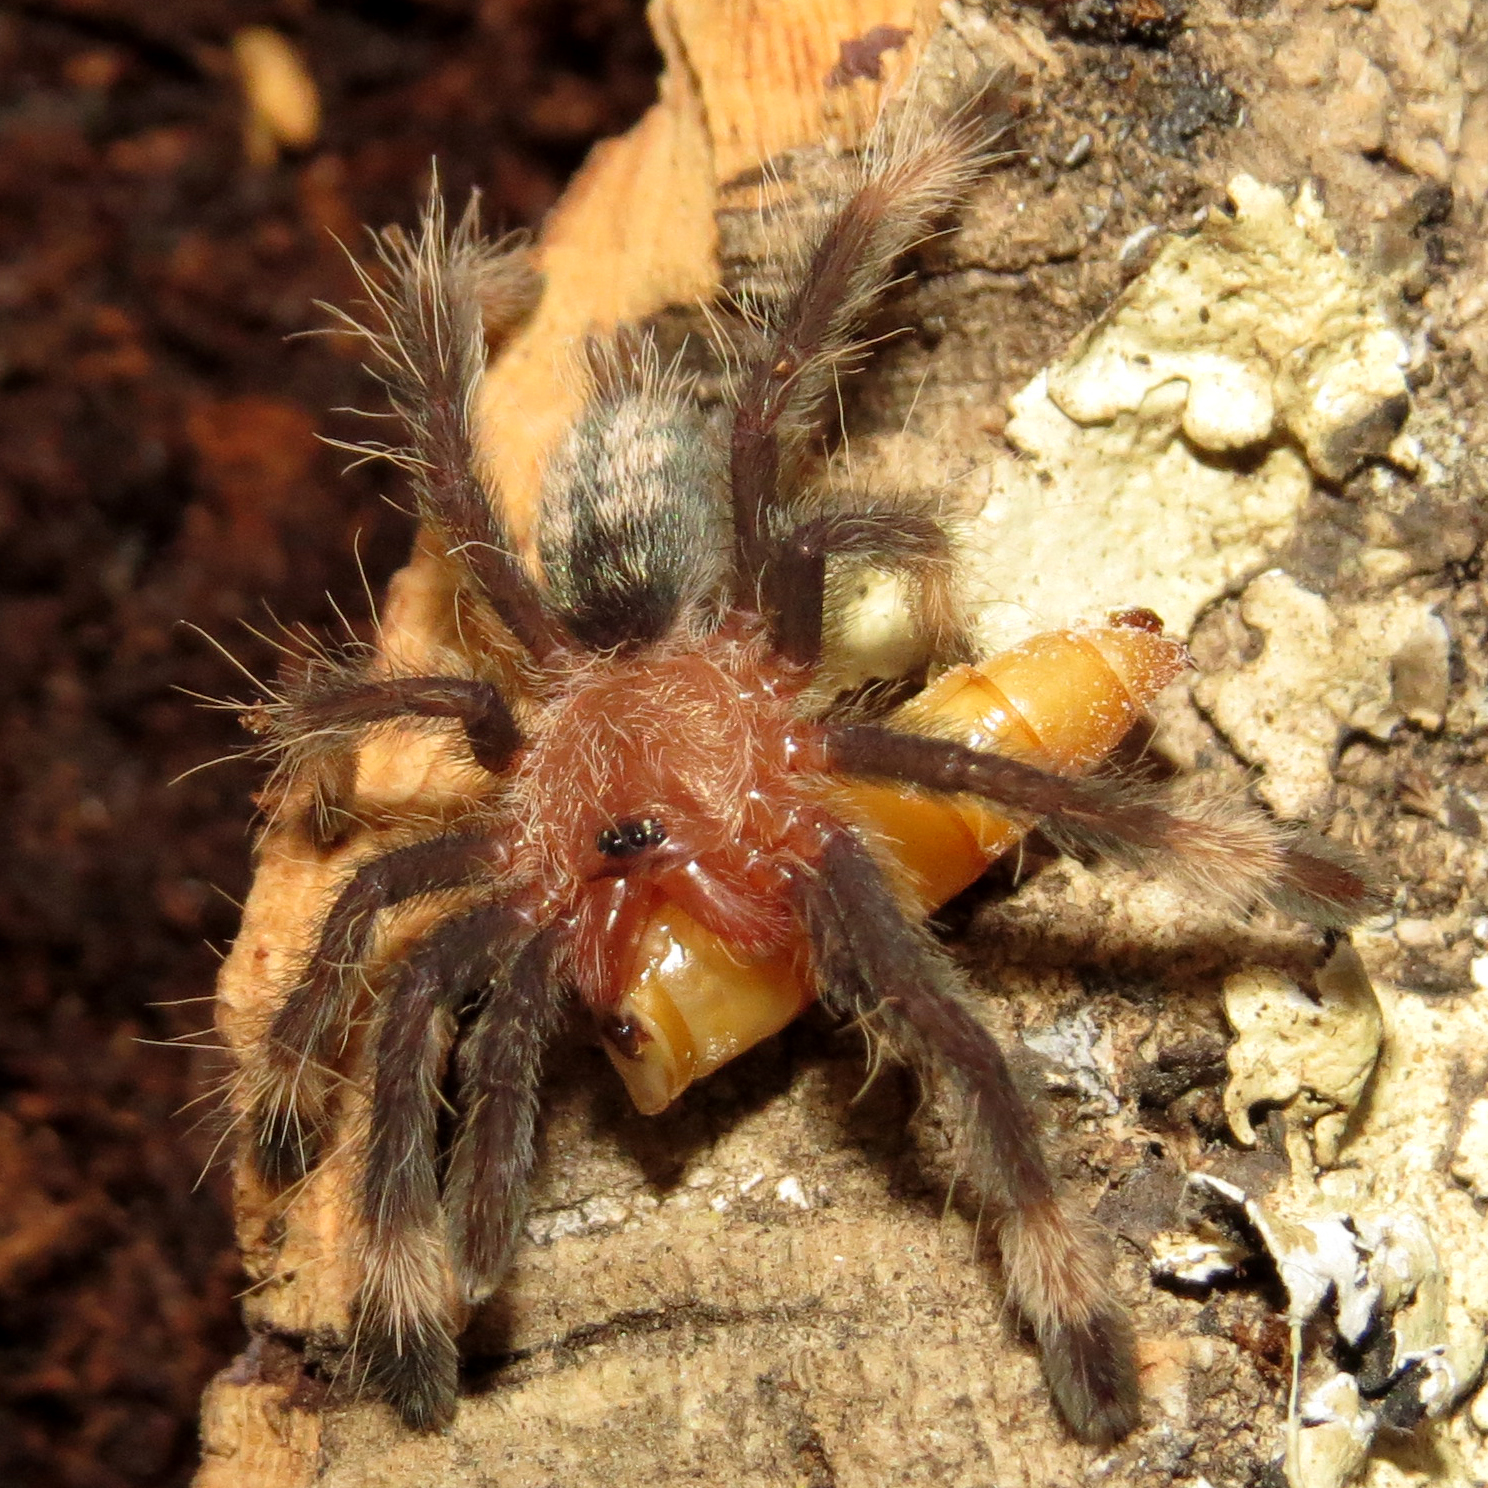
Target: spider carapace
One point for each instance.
(659, 754)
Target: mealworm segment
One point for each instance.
(670, 822)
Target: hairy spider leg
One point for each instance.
(289, 1091)
(896, 534)
(1223, 848)
(403, 1339)
(429, 347)
(499, 1064)
(323, 721)
(910, 180)
(871, 963)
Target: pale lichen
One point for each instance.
(1312, 1056)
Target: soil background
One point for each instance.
(161, 489)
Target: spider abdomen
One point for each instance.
(632, 529)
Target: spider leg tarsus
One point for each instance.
(1091, 1368)
(1230, 852)
(405, 1300)
(500, 1066)
(325, 717)
(419, 1376)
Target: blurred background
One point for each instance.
(164, 226)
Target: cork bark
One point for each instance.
(776, 1281)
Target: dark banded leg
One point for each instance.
(908, 182)
(429, 340)
(293, 1078)
(321, 725)
(404, 1338)
(500, 1066)
(870, 962)
(351, 706)
(1222, 848)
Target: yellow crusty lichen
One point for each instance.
(1271, 329)
(1255, 335)
(1311, 1057)
(1326, 668)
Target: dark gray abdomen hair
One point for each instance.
(633, 525)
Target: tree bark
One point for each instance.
(769, 1282)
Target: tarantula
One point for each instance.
(649, 725)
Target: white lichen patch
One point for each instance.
(1323, 669)
(1381, 1278)
(1269, 329)
(1082, 1051)
(790, 1193)
(1311, 1057)
(1162, 453)
(1398, 1155)
(876, 638)
(1392, 1232)
(1177, 1257)
(599, 1212)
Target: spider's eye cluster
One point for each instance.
(631, 836)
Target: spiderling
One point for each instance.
(647, 729)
